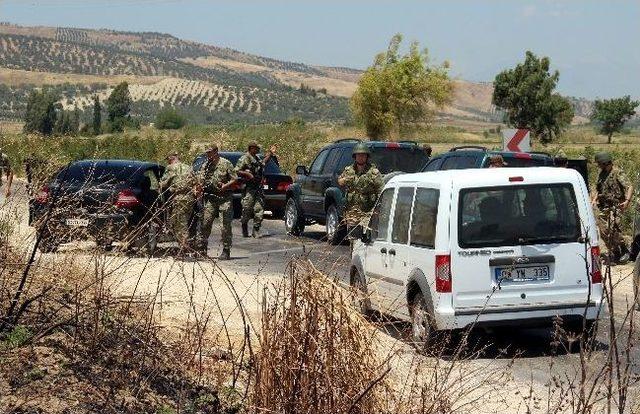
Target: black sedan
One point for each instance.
(103, 200)
(275, 183)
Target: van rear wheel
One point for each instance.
(422, 331)
(360, 296)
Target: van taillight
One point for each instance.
(596, 265)
(43, 196)
(443, 273)
(516, 179)
(127, 199)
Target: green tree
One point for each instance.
(97, 116)
(612, 114)
(119, 106)
(399, 91)
(170, 119)
(526, 94)
(41, 114)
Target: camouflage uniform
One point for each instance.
(252, 196)
(362, 192)
(178, 180)
(216, 203)
(611, 192)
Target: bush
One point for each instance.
(170, 119)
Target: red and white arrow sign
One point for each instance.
(516, 140)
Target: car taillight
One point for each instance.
(596, 265)
(393, 145)
(127, 199)
(43, 196)
(443, 273)
(516, 179)
(283, 186)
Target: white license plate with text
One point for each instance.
(75, 222)
(522, 274)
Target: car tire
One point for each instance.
(48, 243)
(360, 294)
(336, 231)
(293, 218)
(422, 331)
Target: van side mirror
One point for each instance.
(365, 236)
(302, 170)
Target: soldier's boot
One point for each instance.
(245, 229)
(225, 255)
(624, 255)
(635, 249)
(256, 232)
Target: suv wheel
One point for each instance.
(293, 220)
(335, 229)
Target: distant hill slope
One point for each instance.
(209, 83)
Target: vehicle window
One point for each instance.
(402, 215)
(154, 184)
(524, 162)
(199, 162)
(98, 174)
(379, 222)
(519, 215)
(272, 167)
(316, 166)
(459, 162)
(433, 165)
(345, 159)
(404, 159)
(332, 162)
(424, 218)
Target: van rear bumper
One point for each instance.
(516, 316)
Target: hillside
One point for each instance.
(209, 83)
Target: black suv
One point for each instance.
(472, 156)
(103, 200)
(315, 197)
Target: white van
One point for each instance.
(483, 247)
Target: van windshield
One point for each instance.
(518, 215)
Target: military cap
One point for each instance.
(497, 160)
(212, 148)
(603, 158)
(253, 144)
(172, 154)
(361, 148)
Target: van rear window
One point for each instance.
(518, 215)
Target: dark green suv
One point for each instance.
(315, 197)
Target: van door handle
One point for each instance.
(392, 251)
(383, 250)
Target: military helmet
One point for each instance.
(360, 148)
(603, 158)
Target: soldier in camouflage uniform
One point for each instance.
(251, 169)
(363, 183)
(178, 183)
(5, 168)
(214, 182)
(613, 196)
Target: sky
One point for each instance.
(595, 44)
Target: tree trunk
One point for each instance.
(609, 138)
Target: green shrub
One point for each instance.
(170, 119)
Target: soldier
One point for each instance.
(613, 196)
(363, 183)
(496, 161)
(178, 182)
(5, 167)
(251, 169)
(215, 180)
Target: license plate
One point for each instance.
(265, 186)
(522, 274)
(77, 222)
